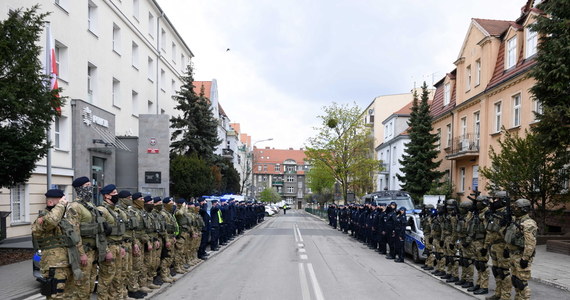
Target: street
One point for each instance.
(297, 256)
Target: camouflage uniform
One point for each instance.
(494, 239)
(152, 245)
(438, 241)
(110, 271)
(466, 249)
(425, 222)
(137, 280)
(197, 226)
(51, 239)
(183, 239)
(169, 251)
(521, 241)
(476, 234)
(449, 234)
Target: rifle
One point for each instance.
(504, 196)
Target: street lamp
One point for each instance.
(253, 163)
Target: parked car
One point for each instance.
(414, 243)
(268, 211)
(402, 199)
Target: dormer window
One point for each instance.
(468, 78)
(446, 94)
(511, 52)
(531, 42)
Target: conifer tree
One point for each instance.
(419, 165)
(195, 130)
(552, 73)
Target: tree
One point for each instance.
(269, 195)
(526, 169)
(552, 73)
(226, 177)
(319, 178)
(245, 169)
(195, 131)
(342, 145)
(419, 164)
(191, 176)
(27, 105)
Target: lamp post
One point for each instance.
(253, 163)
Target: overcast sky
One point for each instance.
(289, 58)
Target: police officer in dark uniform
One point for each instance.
(205, 230)
(381, 229)
(389, 221)
(400, 233)
(216, 222)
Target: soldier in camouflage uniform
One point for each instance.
(141, 242)
(465, 247)
(183, 239)
(92, 247)
(153, 245)
(54, 236)
(166, 235)
(110, 271)
(520, 237)
(425, 223)
(197, 227)
(449, 240)
(476, 233)
(437, 233)
(495, 241)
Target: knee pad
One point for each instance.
(518, 283)
(481, 266)
(495, 271)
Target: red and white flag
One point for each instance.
(51, 67)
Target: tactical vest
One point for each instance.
(476, 228)
(119, 228)
(494, 224)
(426, 227)
(134, 223)
(436, 226)
(514, 236)
(447, 227)
(461, 227)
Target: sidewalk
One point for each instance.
(23, 242)
(548, 267)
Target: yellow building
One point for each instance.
(488, 90)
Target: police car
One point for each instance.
(414, 243)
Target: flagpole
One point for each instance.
(48, 131)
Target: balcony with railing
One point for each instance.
(385, 168)
(465, 146)
(227, 153)
(277, 182)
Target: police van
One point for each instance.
(414, 244)
(401, 198)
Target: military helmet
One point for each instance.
(429, 206)
(450, 204)
(467, 204)
(522, 206)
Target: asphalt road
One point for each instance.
(297, 256)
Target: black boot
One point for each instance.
(467, 285)
(473, 288)
(460, 282)
(481, 291)
(452, 279)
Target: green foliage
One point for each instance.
(419, 165)
(526, 169)
(269, 195)
(552, 73)
(342, 146)
(195, 131)
(190, 176)
(319, 178)
(26, 101)
(442, 188)
(227, 177)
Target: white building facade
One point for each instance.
(119, 63)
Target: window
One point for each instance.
(497, 116)
(150, 69)
(449, 135)
(60, 133)
(151, 25)
(463, 127)
(62, 4)
(173, 87)
(264, 168)
(277, 168)
(173, 52)
(116, 38)
(162, 79)
(162, 39)
(61, 60)
(531, 42)
(290, 189)
(264, 178)
(57, 133)
(461, 180)
(537, 109)
(259, 168)
(91, 82)
(394, 155)
(511, 52)
(135, 55)
(516, 110)
(475, 180)
(18, 204)
(116, 92)
(135, 102)
(468, 79)
(149, 107)
(477, 72)
(91, 17)
(477, 127)
(438, 135)
(446, 94)
(136, 6)
(290, 178)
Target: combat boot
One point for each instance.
(483, 292)
(180, 271)
(473, 288)
(153, 286)
(144, 289)
(460, 282)
(467, 285)
(445, 276)
(452, 279)
(167, 280)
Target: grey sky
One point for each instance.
(288, 59)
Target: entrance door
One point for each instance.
(98, 175)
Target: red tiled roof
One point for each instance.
(236, 127)
(494, 27)
(221, 110)
(271, 157)
(500, 74)
(437, 107)
(406, 110)
(207, 88)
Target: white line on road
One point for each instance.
(295, 233)
(299, 233)
(304, 285)
(316, 287)
(300, 245)
(303, 256)
(302, 250)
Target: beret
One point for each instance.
(223, 200)
(156, 199)
(214, 201)
(166, 200)
(147, 198)
(180, 200)
(54, 193)
(80, 181)
(124, 194)
(108, 189)
(137, 195)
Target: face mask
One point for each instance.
(50, 207)
(127, 201)
(158, 207)
(138, 203)
(115, 199)
(148, 207)
(168, 207)
(84, 193)
(519, 212)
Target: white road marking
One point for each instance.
(316, 287)
(300, 245)
(299, 233)
(302, 250)
(304, 285)
(295, 234)
(303, 256)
